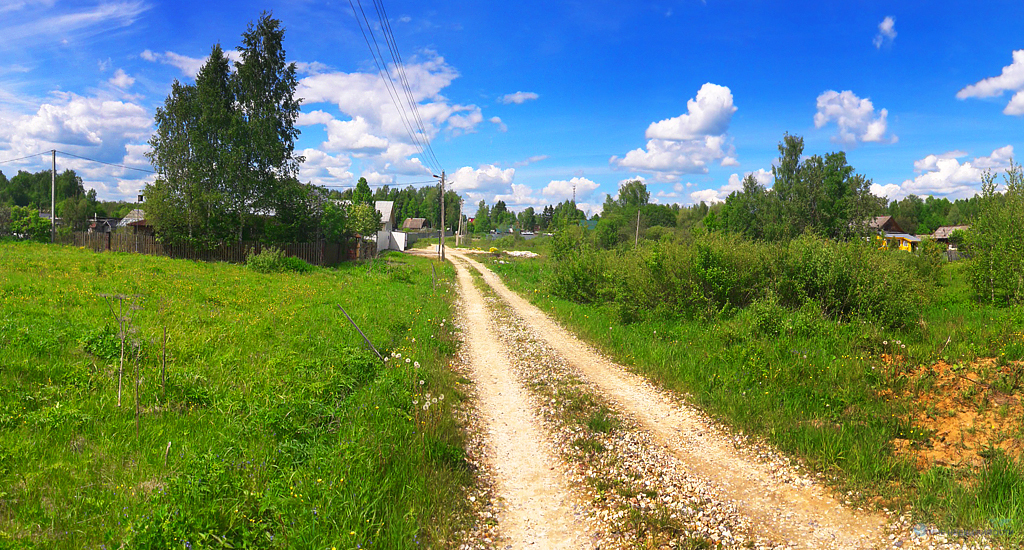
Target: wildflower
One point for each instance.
(885, 342)
(903, 345)
(407, 360)
(416, 364)
(421, 382)
(440, 397)
(426, 406)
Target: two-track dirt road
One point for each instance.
(542, 505)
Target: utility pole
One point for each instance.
(440, 244)
(458, 236)
(53, 198)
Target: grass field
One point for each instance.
(840, 395)
(275, 428)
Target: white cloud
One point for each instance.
(121, 79)
(531, 160)
(886, 32)
(735, 183)
(321, 168)
(189, 66)
(1010, 80)
(518, 98)
(70, 26)
(707, 115)
(562, 190)
(889, 190)
(521, 197)
(946, 175)
(855, 118)
(312, 67)
(480, 182)
(687, 143)
(502, 127)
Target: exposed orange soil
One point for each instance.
(963, 414)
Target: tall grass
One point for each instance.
(279, 428)
(813, 383)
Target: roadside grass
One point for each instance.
(835, 394)
(276, 427)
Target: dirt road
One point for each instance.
(703, 482)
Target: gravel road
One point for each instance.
(675, 472)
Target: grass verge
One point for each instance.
(275, 427)
(836, 394)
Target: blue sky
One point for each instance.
(524, 100)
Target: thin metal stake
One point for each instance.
(367, 340)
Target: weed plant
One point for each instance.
(797, 345)
(275, 428)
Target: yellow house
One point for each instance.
(901, 241)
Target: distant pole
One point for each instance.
(53, 198)
(441, 244)
(458, 238)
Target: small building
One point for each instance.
(103, 225)
(416, 224)
(943, 233)
(387, 214)
(899, 241)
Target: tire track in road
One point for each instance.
(536, 510)
(801, 513)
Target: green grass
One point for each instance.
(284, 431)
(818, 388)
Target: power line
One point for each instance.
(418, 138)
(108, 163)
(23, 158)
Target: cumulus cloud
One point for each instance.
(562, 190)
(854, 117)
(735, 183)
(686, 144)
(945, 174)
(71, 119)
(321, 168)
(362, 121)
(1010, 80)
(502, 127)
(484, 182)
(886, 32)
(121, 79)
(708, 114)
(531, 160)
(518, 98)
(521, 197)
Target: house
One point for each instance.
(386, 209)
(133, 216)
(416, 224)
(884, 224)
(900, 241)
(943, 233)
(103, 225)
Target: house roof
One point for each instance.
(885, 223)
(133, 216)
(386, 209)
(946, 231)
(414, 223)
(903, 236)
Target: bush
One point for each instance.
(273, 260)
(996, 241)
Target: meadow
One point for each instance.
(846, 394)
(251, 415)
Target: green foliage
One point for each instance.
(820, 195)
(996, 241)
(274, 260)
(224, 147)
(26, 223)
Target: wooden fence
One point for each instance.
(323, 254)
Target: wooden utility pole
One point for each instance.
(440, 244)
(458, 237)
(53, 198)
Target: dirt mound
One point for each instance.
(963, 413)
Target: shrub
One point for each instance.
(273, 260)
(996, 241)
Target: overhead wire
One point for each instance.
(419, 138)
(25, 157)
(396, 56)
(108, 163)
